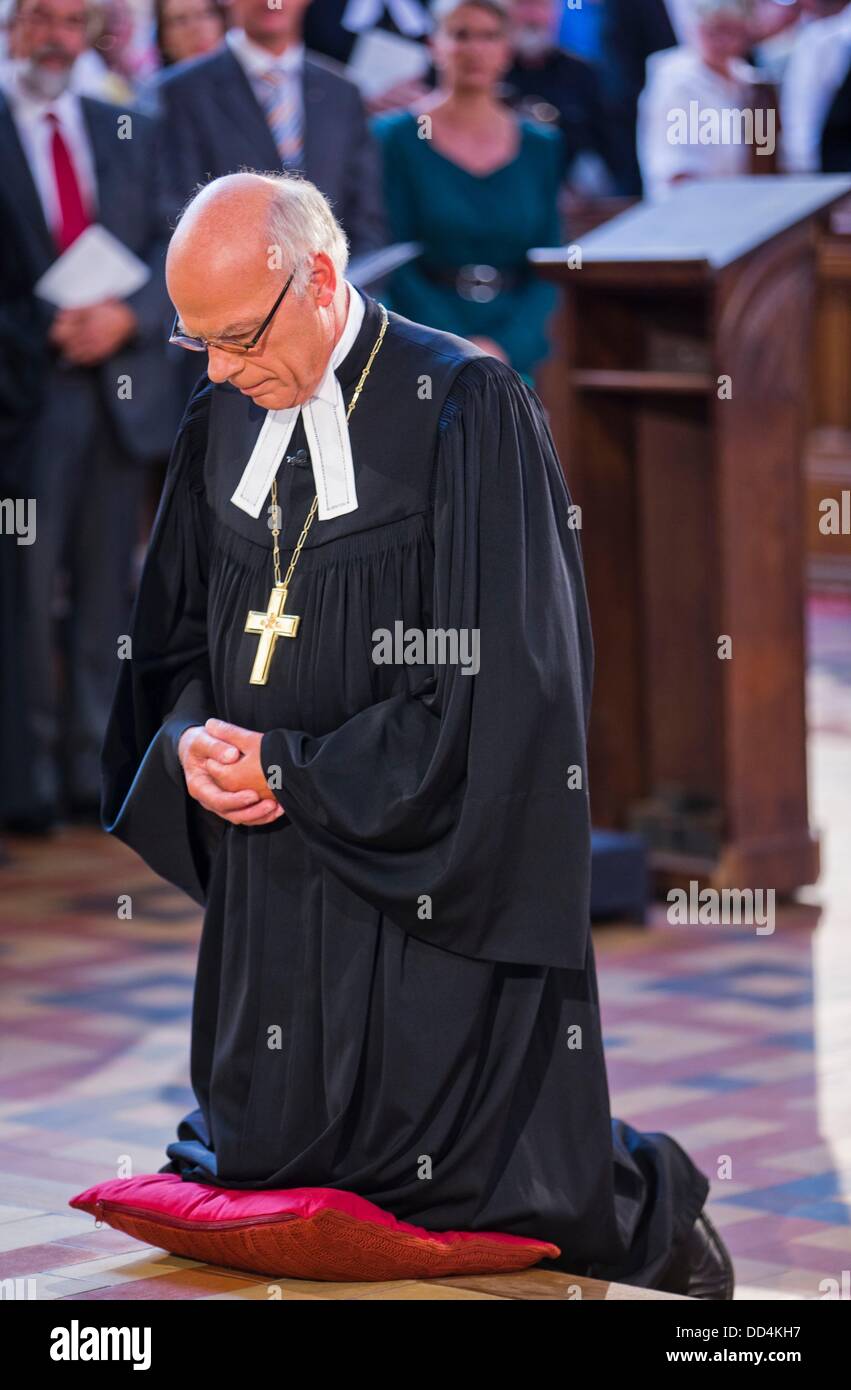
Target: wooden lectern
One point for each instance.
(678, 399)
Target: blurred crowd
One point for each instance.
(468, 130)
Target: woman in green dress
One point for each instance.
(477, 186)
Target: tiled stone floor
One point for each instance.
(737, 1044)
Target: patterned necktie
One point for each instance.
(279, 97)
(73, 217)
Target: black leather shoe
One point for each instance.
(703, 1267)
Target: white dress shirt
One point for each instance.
(681, 15)
(36, 133)
(327, 432)
(814, 73)
(255, 60)
(676, 77)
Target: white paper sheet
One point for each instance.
(379, 60)
(96, 267)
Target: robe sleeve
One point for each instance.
(164, 684)
(460, 808)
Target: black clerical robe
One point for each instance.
(396, 991)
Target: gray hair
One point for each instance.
(300, 224)
(442, 9)
(705, 9)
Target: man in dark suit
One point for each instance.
(90, 396)
(549, 84)
(632, 31)
(834, 50)
(835, 142)
(262, 102)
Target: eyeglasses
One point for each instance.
(184, 340)
(43, 19)
(477, 35)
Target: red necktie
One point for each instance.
(73, 217)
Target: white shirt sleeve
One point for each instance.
(660, 159)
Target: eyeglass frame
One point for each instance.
(193, 344)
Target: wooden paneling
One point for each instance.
(828, 452)
(694, 528)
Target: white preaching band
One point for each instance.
(327, 431)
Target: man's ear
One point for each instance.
(324, 281)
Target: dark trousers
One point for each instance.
(88, 494)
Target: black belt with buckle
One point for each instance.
(479, 283)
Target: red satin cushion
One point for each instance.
(297, 1232)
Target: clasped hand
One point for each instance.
(221, 765)
(88, 335)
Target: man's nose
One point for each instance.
(221, 365)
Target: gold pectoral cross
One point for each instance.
(269, 626)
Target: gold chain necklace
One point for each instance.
(275, 623)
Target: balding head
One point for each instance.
(223, 232)
(233, 251)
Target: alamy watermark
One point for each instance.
(709, 125)
(80, 1342)
(439, 646)
(707, 907)
(17, 518)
